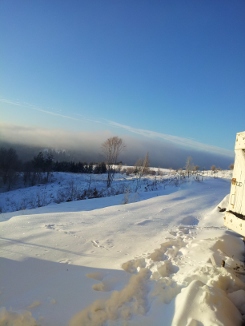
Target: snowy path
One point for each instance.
(123, 264)
(114, 232)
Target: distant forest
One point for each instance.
(38, 169)
(30, 166)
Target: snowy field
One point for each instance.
(149, 257)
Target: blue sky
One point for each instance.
(153, 69)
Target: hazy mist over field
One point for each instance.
(164, 150)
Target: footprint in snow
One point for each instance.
(144, 222)
(95, 243)
(96, 275)
(65, 261)
(105, 286)
(50, 226)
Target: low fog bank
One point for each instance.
(169, 155)
(86, 147)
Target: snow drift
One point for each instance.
(163, 259)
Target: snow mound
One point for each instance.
(11, 318)
(199, 304)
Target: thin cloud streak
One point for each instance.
(34, 108)
(92, 120)
(180, 141)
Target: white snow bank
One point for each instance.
(151, 262)
(238, 298)
(199, 304)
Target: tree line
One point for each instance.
(39, 168)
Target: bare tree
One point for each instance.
(195, 168)
(142, 165)
(188, 165)
(141, 168)
(111, 148)
(214, 169)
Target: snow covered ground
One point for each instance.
(156, 260)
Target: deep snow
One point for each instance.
(156, 260)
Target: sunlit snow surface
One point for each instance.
(156, 260)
